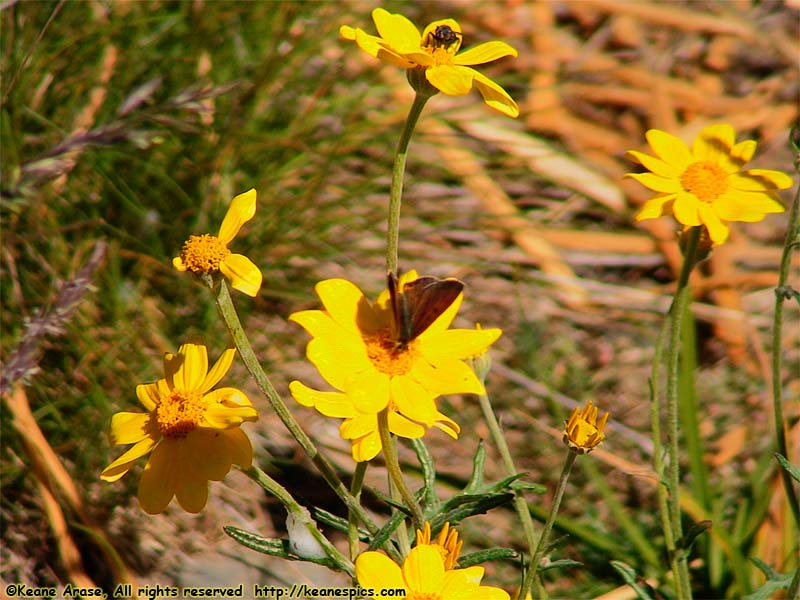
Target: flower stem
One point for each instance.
(676, 315)
(551, 518)
(393, 466)
(520, 504)
(355, 491)
(228, 312)
(398, 171)
(294, 508)
(658, 453)
(782, 293)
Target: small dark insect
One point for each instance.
(443, 37)
(419, 304)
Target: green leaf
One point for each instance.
(775, 581)
(482, 556)
(793, 470)
(632, 579)
(273, 547)
(559, 564)
(478, 464)
(428, 472)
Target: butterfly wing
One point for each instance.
(423, 301)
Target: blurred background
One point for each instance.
(127, 126)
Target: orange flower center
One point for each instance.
(388, 356)
(705, 179)
(441, 56)
(203, 253)
(179, 413)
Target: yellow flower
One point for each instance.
(193, 433)
(448, 543)
(356, 350)
(424, 576)
(435, 51)
(209, 253)
(582, 432)
(362, 428)
(705, 184)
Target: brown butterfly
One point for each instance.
(419, 304)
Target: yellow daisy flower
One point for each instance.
(209, 253)
(435, 51)
(423, 576)
(356, 349)
(193, 433)
(448, 543)
(582, 431)
(705, 184)
(362, 428)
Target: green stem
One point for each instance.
(355, 490)
(398, 171)
(228, 312)
(551, 518)
(300, 513)
(677, 312)
(520, 504)
(658, 452)
(393, 466)
(792, 241)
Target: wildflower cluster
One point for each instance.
(388, 361)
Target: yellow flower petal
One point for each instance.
(376, 571)
(129, 428)
(656, 165)
(359, 426)
(414, 401)
(458, 343)
(244, 275)
(347, 32)
(744, 151)
(750, 207)
(159, 479)
(494, 95)
(240, 447)
(330, 404)
(218, 371)
(369, 391)
(375, 46)
(450, 80)
(685, 209)
(179, 265)
(423, 570)
(717, 230)
(122, 465)
(241, 210)
(484, 53)
(656, 207)
(780, 180)
(450, 376)
(338, 360)
(447, 425)
(366, 447)
(192, 495)
(404, 427)
(228, 407)
(345, 303)
(669, 149)
(400, 33)
(656, 182)
(149, 394)
(193, 369)
(714, 143)
(214, 449)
